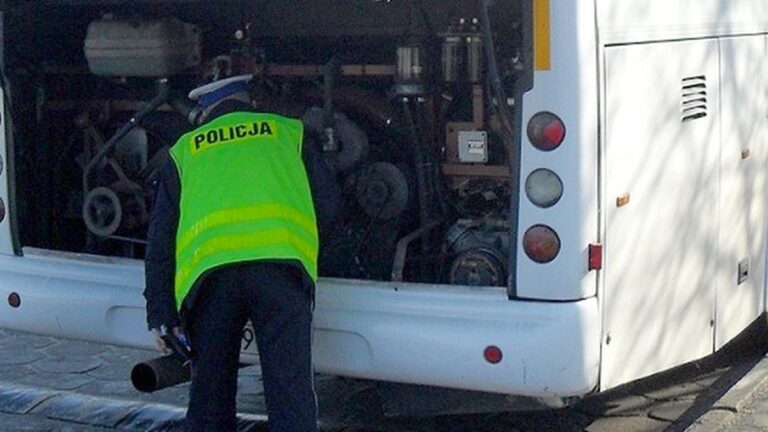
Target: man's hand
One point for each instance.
(160, 341)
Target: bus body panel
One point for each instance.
(628, 22)
(744, 158)
(412, 333)
(6, 239)
(568, 89)
(685, 258)
(660, 249)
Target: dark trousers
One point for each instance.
(276, 299)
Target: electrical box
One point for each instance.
(147, 48)
(473, 147)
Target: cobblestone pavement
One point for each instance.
(58, 373)
(29, 423)
(753, 415)
(744, 408)
(669, 403)
(54, 384)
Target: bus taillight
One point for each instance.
(546, 131)
(541, 243)
(544, 188)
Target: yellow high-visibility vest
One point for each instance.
(245, 196)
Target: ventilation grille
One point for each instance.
(694, 104)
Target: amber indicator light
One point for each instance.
(622, 200)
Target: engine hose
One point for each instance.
(437, 194)
(185, 109)
(366, 105)
(512, 138)
(421, 176)
(135, 120)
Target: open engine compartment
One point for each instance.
(410, 100)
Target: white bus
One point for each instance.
(542, 198)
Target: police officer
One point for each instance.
(233, 236)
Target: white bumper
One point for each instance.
(410, 333)
(436, 335)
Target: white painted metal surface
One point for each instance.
(570, 90)
(743, 189)
(6, 242)
(436, 335)
(426, 334)
(630, 22)
(661, 247)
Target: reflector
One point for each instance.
(14, 300)
(492, 354)
(595, 257)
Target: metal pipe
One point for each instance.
(160, 372)
(398, 264)
(512, 137)
(163, 372)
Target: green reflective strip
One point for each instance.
(246, 214)
(241, 229)
(248, 242)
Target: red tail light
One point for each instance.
(546, 131)
(541, 243)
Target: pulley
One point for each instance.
(102, 211)
(382, 190)
(477, 267)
